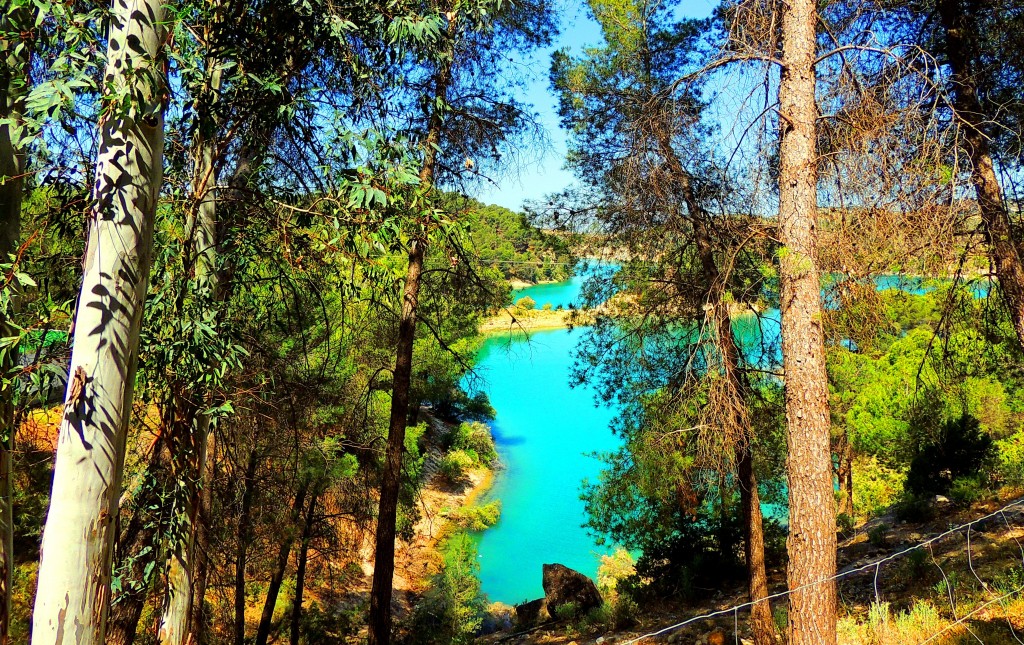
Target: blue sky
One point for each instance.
(540, 172)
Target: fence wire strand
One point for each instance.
(877, 564)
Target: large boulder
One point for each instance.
(530, 613)
(563, 585)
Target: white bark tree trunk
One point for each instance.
(180, 591)
(73, 595)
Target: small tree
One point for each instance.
(526, 303)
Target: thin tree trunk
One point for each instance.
(391, 477)
(202, 550)
(962, 53)
(300, 570)
(193, 430)
(761, 621)
(844, 475)
(812, 509)
(277, 577)
(241, 548)
(14, 64)
(137, 547)
(73, 595)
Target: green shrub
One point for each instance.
(918, 561)
(1009, 581)
(780, 613)
(876, 487)
(625, 611)
(322, 625)
(547, 306)
(968, 490)
(526, 302)
(453, 608)
(476, 440)
(960, 449)
(453, 466)
(1010, 460)
(477, 518)
(914, 508)
(596, 617)
(845, 523)
(567, 611)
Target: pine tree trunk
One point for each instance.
(74, 573)
(384, 554)
(13, 89)
(300, 570)
(1004, 250)
(391, 478)
(812, 509)
(762, 623)
(277, 577)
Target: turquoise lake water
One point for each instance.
(546, 431)
(543, 431)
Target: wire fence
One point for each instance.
(966, 529)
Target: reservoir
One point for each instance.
(545, 432)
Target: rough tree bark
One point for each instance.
(812, 512)
(74, 572)
(963, 56)
(14, 64)
(761, 621)
(391, 477)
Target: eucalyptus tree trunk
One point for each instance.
(961, 34)
(812, 509)
(14, 64)
(391, 477)
(73, 595)
(193, 430)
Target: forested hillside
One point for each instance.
(263, 377)
(521, 251)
